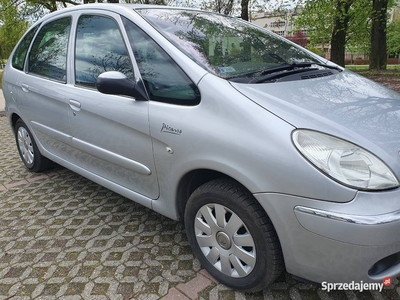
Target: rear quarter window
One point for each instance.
(18, 59)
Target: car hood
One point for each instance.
(345, 104)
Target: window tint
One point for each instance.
(164, 79)
(48, 56)
(99, 48)
(19, 56)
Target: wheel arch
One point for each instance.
(14, 118)
(190, 182)
(194, 179)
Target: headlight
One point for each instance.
(344, 161)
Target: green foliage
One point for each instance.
(316, 51)
(393, 38)
(359, 32)
(318, 17)
(13, 26)
(51, 5)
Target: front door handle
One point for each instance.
(75, 105)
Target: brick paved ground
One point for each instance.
(65, 237)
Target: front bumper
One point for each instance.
(338, 242)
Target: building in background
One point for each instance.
(278, 22)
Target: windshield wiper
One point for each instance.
(260, 75)
(285, 67)
(293, 68)
(294, 65)
(282, 67)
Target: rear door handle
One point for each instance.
(25, 87)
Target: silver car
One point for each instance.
(273, 157)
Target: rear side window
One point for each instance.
(164, 79)
(99, 48)
(18, 59)
(48, 56)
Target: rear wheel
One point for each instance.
(232, 236)
(28, 150)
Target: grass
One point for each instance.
(391, 71)
(366, 67)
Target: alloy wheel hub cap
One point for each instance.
(223, 240)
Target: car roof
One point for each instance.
(117, 7)
(113, 7)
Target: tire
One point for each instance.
(232, 236)
(28, 150)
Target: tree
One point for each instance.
(358, 39)
(342, 23)
(393, 38)
(378, 55)
(245, 10)
(316, 17)
(328, 21)
(51, 5)
(341, 18)
(12, 26)
(351, 23)
(16, 16)
(225, 7)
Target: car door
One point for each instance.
(110, 133)
(42, 88)
(174, 101)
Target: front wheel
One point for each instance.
(28, 150)
(232, 236)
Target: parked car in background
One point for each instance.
(273, 157)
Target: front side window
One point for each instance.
(227, 47)
(163, 78)
(18, 59)
(48, 56)
(99, 48)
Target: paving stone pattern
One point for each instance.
(65, 237)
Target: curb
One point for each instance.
(192, 289)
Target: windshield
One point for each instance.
(226, 46)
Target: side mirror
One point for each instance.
(116, 83)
